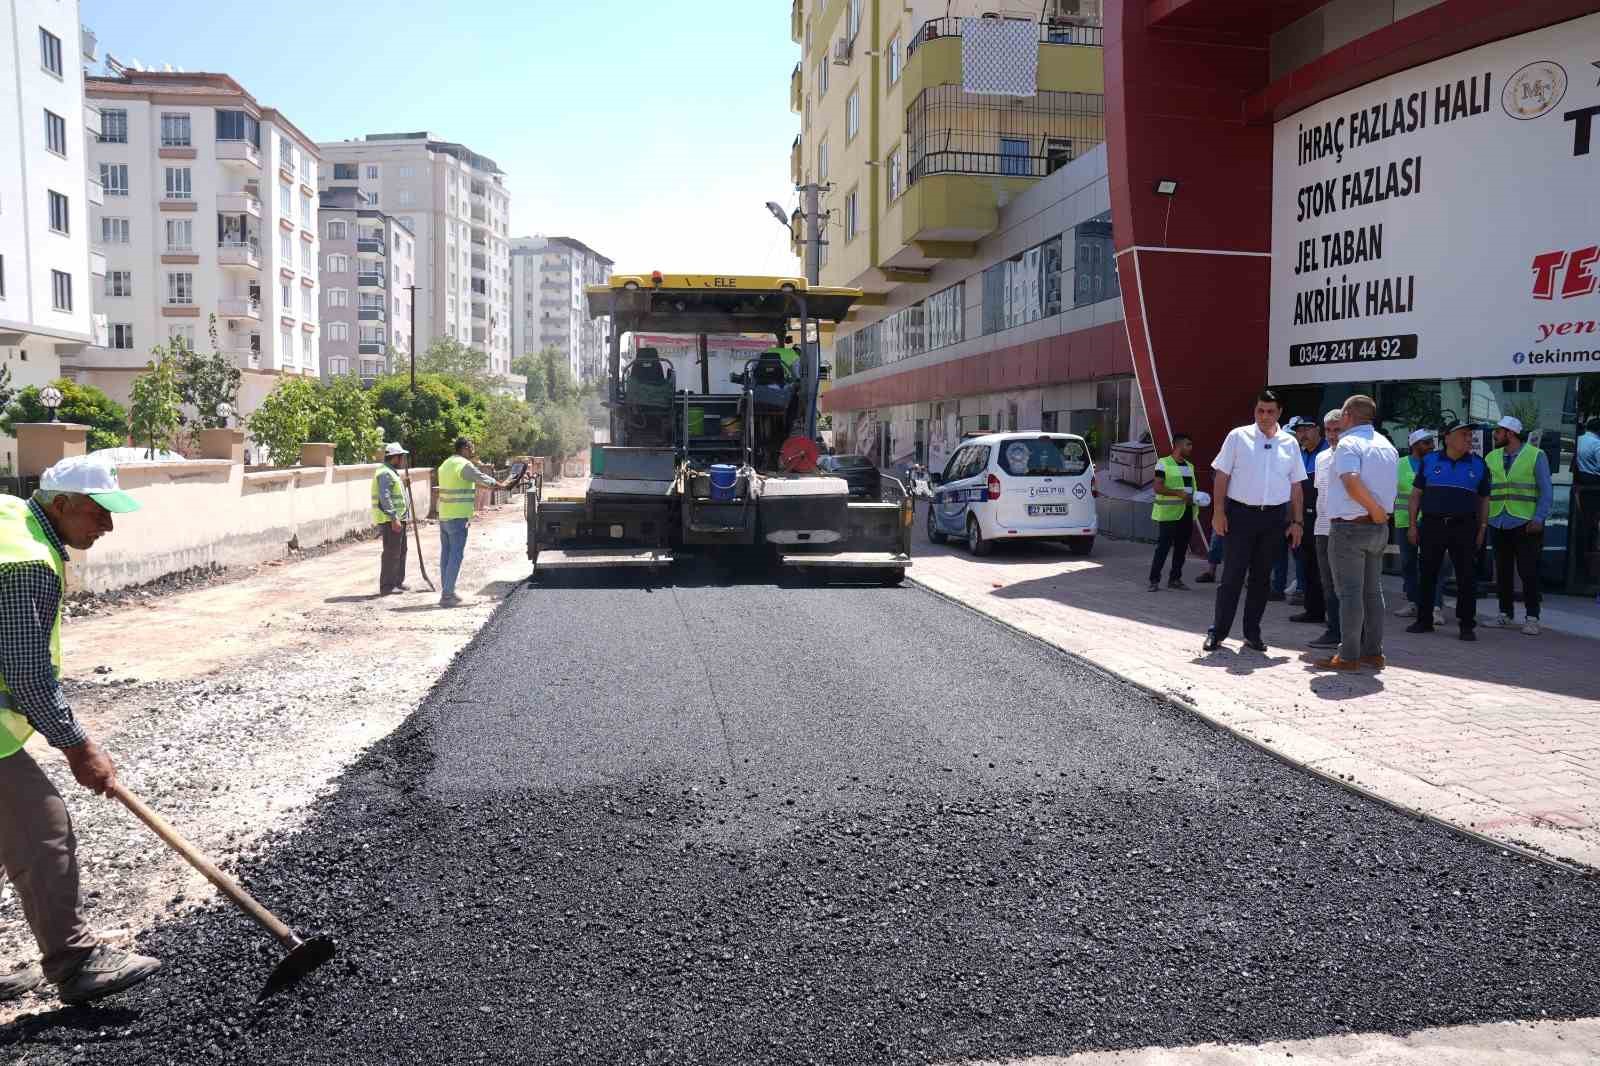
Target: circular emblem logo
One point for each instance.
(1078, 490)
(1517, 358)
(1017, 456)
(1534, 90)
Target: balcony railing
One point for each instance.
(951, 132)
(240, 307)
(370, 348)
(239, 254)
(796, 90)
(370, 280)
(371, 246)
(239, 151)
(370, 314)
(1091, 36)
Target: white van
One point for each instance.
(1006, 486)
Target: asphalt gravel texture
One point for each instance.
(722, 821)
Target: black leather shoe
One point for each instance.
(1420, 627)
(1307, 616)
(1213, 642)
(1276, 597)
(1467, 634)
(1256, 645)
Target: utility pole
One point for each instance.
(412, 347)
(815, 219)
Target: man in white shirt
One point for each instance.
(1332, 426)
(1258, 504)
(1359, 502)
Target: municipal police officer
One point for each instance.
(1451, 495)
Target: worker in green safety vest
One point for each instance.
(1520, 498)
(1421, 442)
(459, 479)
(389, 512)
(790, 356)
(38, 851)
(1173, 511)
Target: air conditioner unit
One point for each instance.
(841, 51)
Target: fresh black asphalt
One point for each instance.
(723, 821)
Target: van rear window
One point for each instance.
(1044, 457)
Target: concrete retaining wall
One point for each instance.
(206, 513)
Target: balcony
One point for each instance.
(239, 203)
(480, 263)
(371, 314)
(795, 172)
(97, 193)
(1056, 32)
(240, 309)
(243, 358)
(97, 264)
(479, 336)
(240, 255)
(796, 90)
(240, 154)
(91, 120)
(368, 279)
(371, 246)
(371, 348)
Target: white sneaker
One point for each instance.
(1408, 611)
(1438, 616)
(1504, 621)
(1531, 627)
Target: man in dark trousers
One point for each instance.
(1450, 493)
(389, 511)
(1173, 511)
(1258, 474)
(1308, 431)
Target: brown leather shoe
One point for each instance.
(1336, 663)
(1377, 662)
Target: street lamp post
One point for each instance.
(411, 348)
(224, 412)
(51, 397)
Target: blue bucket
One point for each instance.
(724, 481)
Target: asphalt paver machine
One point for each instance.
(706, 459)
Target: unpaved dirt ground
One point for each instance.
(231, 706)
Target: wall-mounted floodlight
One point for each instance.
(1166, 187)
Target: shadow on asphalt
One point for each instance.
(368, 598)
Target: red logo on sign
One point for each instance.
(1575, 269)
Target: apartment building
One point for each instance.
(369, 264)
(47, 267)
(945, 134)
(209, 211)
(548, 276)
(455, 203)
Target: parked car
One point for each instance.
(1012, 486)
(858, 472)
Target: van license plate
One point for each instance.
(1047, 508)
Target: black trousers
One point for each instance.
(1173, 538)
(1251, 547)
(1457, 537)
(1520, 548)
(392, 573)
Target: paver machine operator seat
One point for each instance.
(651, 383)
(777, 401)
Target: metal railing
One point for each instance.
(1049, 33)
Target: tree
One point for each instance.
(429, 421)
(283, 421)
(156, 411)
(510, 427)
(345, 419)
(207, 381)
(448, 357)
(82, 404)
(531, 366)
(7, 393)
(558, 380)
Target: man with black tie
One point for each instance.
(1259, 504)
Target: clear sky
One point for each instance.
(654, 131)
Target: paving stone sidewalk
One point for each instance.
(1501, 736)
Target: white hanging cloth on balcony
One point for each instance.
(1000, 56)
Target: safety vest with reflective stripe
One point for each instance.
(1173, 475)
(23, 540)
(397, 495)
(1514, 492)
(457, 495)
(1402, 498)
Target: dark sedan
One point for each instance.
(857, 471)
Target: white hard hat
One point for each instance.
(90, 476)
(393, 448)
(1512, 423)
(1202, 499)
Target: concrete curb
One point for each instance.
(1567, 866)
